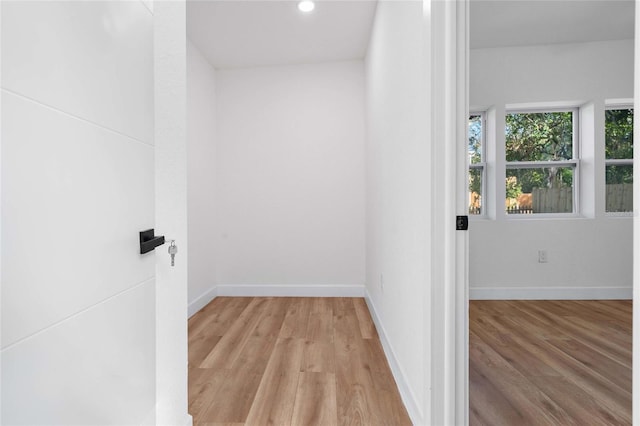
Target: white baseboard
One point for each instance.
(151, 419)
(202, 301)
(550, 293)
(234, 290)
(291, 290)
(409, 399)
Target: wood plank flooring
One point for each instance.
(289, 361)
(550, 362)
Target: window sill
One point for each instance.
(478, 217)
(619, 215)
(545, 216)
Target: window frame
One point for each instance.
(482, 165)
(615, 161)
(574, 163)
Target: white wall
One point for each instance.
(397, 200)
(590, 256)
(290, 178)
(201, 156)
(78, 300)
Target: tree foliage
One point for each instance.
(543, 136)
(475, 155)
(475, 139)
(618, 127)
(619, 144)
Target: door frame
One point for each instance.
(462, 208)
(448, 90)
(636, 231)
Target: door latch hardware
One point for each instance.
(149, 241)
(462, 223)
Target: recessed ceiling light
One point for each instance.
(306, 6)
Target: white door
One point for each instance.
(78, 300)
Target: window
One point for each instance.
(541, 161)
(618, 136)
(476, 163)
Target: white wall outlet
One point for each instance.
(543, 256)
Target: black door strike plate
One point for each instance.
(462, 223)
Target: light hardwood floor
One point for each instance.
(550, 362)
(289, 361)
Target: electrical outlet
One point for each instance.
(543, 256)
(381, 283)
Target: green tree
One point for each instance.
(544, 136)
(619, 144)
(514, 188)
(475, 157)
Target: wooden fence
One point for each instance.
(619, 197)
(519, 210)
(552, 200)
(475, 210)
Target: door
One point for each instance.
(77, 169)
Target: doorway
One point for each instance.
(521, 249)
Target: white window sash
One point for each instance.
(541, 164)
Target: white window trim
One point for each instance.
(541, 164)
(574, 163)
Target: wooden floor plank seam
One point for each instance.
(586, 377)
(289, 361)
(265, 361)
(579, 332)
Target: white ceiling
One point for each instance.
(242, 33)
(238, 33)
(529, 22)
